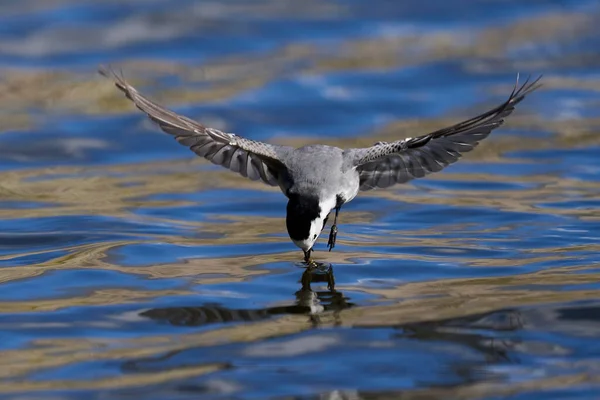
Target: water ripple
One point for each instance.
(130, 268)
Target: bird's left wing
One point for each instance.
(387, 164)
(252, 159)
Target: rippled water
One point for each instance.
(128, 267)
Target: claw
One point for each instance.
(332, 237)
(307, 258)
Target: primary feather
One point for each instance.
(252, 159)
(387, 164)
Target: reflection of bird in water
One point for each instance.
(308, 302)
(318, 179)
(320, 302)
(318, 272)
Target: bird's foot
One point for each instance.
(317, 272)
(310, 263)
(307, 258)
(332, 237)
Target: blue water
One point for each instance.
(129, 268)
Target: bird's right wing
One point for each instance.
(251, 159)
(387, 164)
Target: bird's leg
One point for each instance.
(334, 230)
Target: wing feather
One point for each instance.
(387, 164)
(250, 158)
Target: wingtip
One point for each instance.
(520, 91)
(536, 83)
(515, 87)
(533, 85)
(102, 70)
(526, 80)
(118, 78)
(106, 71)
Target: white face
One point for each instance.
(316, 226)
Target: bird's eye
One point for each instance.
(315, 236)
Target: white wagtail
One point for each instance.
(317, 179)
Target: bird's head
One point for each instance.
(305, 220)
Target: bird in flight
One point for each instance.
(318, 179)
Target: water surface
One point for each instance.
(130, 268)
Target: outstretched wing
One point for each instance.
(251, 159)
(386, 164)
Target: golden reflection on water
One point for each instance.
(107, 191)
(454, 298)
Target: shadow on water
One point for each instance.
(308, 302)
(472, 349)
(479, 332)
